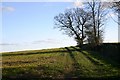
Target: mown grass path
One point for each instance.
(68, 62)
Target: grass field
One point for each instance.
(59, 63)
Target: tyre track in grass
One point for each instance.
(97, 67)
(85, 63)
(71, 64)
(76, 72)
(83, 67)
(94, 61)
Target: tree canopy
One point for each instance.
(84, 24)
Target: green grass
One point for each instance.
(60, 63)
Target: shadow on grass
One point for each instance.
(77, 71)
(47, 71)
(31, 53)
(71, 55)
(105, 59)
(77, 65)
(88, 57)
(48, 74)
(97, 56)
(72, 78)
(29, 73)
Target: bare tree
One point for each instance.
(73, 22)
(86, 23)
(81, 19)
(98, 18)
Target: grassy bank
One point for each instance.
(59, 63)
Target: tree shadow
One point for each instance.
(21, 74)
(31, 53)
(96, 58)
(88, 57)
(76, 71)
(70, 53)
(29, 75)
(73, 75)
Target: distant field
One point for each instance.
(59, 63)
